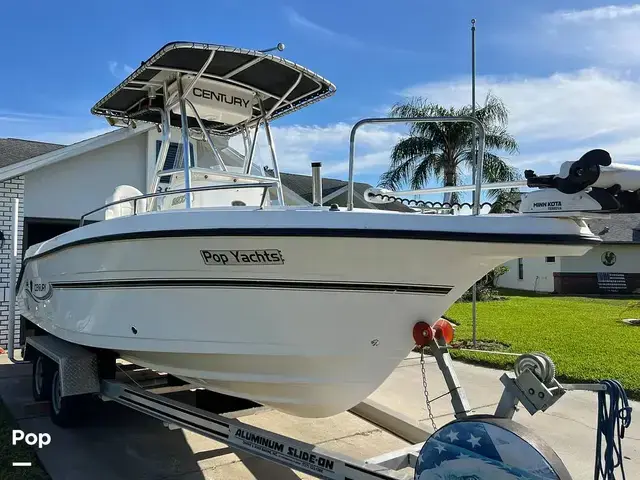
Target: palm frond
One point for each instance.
(397, 176)
(495, 169)
(500, 139)
(418, 107)
(493, 113)
(412, 162)
(424, 171)
(434, 149)
(411, 147)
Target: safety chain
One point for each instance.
(429, 204)
(426, 389)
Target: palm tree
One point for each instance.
(506, 201)
(442, 150)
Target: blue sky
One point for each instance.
(567, 70)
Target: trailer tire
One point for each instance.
(41, 377)
(65, 411)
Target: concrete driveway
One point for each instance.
(122, 444)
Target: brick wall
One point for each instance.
(8, 191)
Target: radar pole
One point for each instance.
(475, 154)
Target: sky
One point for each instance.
(568, 71)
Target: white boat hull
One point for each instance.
(311, 335)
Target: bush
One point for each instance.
(486, 287)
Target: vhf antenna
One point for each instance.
(279, 47)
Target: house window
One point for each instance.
(174, 158)
(520, 269)
(550, 259)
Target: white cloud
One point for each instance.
(622, 151)
(609, 12)
(369, 163)
(4, 118)
(18, 116)
(554, 118)
(119, 71)
(373, 136)
(607, 35)
(68, 138)
(297, 20)
(567, 111)
(50, 127)
(299, 145)
(301, 22)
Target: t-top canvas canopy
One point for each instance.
(246, 85)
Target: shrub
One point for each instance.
(486, 287)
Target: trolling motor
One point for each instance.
(591, 184)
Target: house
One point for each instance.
(57, 184)
(613, 267)
(333, 191)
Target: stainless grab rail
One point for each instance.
(265, 185)
(468, 119)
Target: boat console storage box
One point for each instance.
(214, 101)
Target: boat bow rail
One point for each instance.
(593, 184)
(137, 198)
(463, 119)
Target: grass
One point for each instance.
(585, 337)
(19, 453)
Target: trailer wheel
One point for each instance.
(65, 411)
(41, 377)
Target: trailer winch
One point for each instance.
(482, 447)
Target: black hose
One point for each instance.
(612, 422)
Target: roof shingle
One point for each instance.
(303, 186)
(14, 150)
(620, 228)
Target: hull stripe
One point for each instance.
(262, 284)
(475, 237)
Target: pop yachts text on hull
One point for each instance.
(305, 309)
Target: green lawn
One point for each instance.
(585, 337)
(18, 453)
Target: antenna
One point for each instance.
(279, 47)
(474, 172)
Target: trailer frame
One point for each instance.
(83, 382)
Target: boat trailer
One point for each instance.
(70, 376)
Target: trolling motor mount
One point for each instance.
(581, 174)
(591, 184)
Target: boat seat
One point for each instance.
(126, 208)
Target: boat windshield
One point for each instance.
(233, 152)
(226, 163)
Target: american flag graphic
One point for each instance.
(476, 450)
